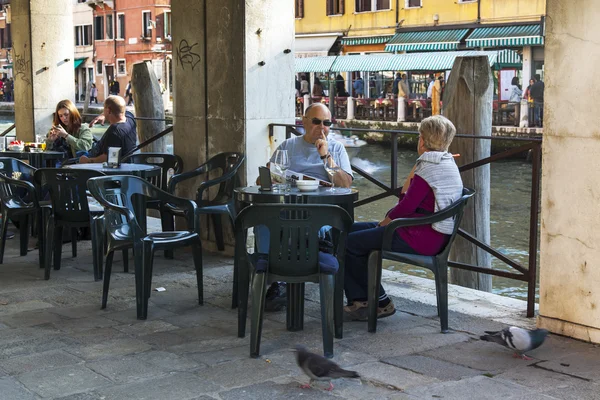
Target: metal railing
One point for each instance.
(533, 145)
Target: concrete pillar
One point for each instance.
(42, 54)
(306, 102)
(570, 226)
(526, 73)
(233, 72)
(350, 109)
(401, 109)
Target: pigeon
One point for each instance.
(518, 339)
(318, 368)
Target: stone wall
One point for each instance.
(570, 226)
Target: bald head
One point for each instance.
(316, 121)
(316, 108)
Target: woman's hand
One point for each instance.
(60, 131)
(385, 221)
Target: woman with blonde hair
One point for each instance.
(67, 133)
(433, 184)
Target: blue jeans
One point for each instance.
(363, 238)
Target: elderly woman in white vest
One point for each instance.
(433, 184)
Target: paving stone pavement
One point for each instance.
(56, 343)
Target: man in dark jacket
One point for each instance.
(537, 94)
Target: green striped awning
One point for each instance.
(506, 36)
(357, 41)
(78, 62)
(509, 58)
(314, 64)
(440, 61)
(426, 40)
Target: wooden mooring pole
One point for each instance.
(148, 102)
(467, 103)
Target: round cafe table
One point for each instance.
(144, 171)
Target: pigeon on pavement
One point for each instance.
(318, 368)
(518, 339)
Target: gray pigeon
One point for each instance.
(318, 368)
(518, 339)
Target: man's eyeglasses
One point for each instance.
(326, 122)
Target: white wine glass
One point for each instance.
(282, 162)
(331, 170)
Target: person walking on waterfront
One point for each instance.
(340, 86)
(430, 83)
(113, 87)
(537, 94)
(359, 87)
(8, 90)
(433, 184)
(129, 94)
(436, 97)
(396, 84)
(404, 86)
(304, 85)
(317, 88)
(94, 93)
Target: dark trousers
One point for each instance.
(538, 112)
(363, 238)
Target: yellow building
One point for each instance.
(514, 29)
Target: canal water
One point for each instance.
(509, 208)
(509, 214)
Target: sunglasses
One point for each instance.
(326, 122)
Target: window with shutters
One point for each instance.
(299, 13)
(120, 26)
(414, 3)
(109, 26)
(335, 7)
(372, 5)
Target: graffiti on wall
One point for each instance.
(185, 55)
(21, 67)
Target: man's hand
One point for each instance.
(385, 221)
(321, 145)
(84, 160)
(99, 119)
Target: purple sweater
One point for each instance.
(422, 238)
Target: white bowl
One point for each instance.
(307, 186)
(16, 148)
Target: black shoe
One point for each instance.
(276, 298)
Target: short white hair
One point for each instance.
(437, 132)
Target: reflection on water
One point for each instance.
(509, 209)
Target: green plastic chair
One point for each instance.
(294, 257)
(438, 264)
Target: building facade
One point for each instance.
(83, 18)
(5, 40)
(125, 33)
(513, 28)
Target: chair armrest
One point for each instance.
(188, 206)
(207, 184)
(30, 190)
(441, 215)
(175, 179)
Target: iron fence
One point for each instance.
(533, 145)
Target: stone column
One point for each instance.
(401, 109)
(43, 67)
(526, 76)
(350, 101)
(233, 67)
(570, 225)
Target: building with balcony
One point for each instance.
(125, 33)
(5, 40)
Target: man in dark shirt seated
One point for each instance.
(121, 132)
